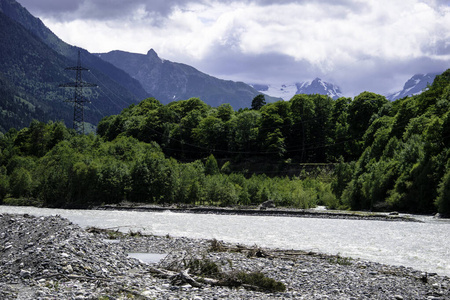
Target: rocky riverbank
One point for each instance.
(51, 258)
(266, 211)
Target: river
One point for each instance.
(422, 246)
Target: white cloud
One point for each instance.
(349, 40)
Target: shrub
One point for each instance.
(261, 281)
(204, 268)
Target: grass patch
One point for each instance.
(135, 233)
(216, 246)
(345, 261)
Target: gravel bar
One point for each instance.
(52, 258)
(276, 212)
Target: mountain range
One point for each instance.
(413, 86)
(287, 91)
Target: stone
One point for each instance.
(267, 204)
(68, 269)
(25, 273)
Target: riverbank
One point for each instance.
(51, 258)
(263, 211)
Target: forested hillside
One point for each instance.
(23, 100)
(385, 155)
(32, 65)
(405, 162)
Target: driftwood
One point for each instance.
(198, 281)
(162, 273)
(255, 251)
(233, 279)
(182, 277)
(185, 277)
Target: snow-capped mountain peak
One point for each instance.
(287, 91)
(414, 86)
(318, 86)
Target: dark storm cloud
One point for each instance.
(264, 68)
(50, 7)
(99, 9)
(117, 9)
(372, 74)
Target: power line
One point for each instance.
(78, 98)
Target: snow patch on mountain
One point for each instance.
(283, 91)
(287, 91)
(318, 86)
(414, 86)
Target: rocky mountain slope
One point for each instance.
(318, 86)
(32, 65)
(170, 81)
(414, 86)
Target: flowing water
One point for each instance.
(423, 246)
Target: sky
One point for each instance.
(372, 45)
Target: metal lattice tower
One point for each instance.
(78, 99)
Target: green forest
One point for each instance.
(365, 153)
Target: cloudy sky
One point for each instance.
(373, 45)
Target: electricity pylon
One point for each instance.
(78, 98)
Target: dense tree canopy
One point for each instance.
(306, 129)
(56, 167)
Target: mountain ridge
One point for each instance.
(170, 81)
(414, 86)
(318, 86)
(20, 14)
(287, 91)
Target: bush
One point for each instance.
(261, 281)
(443, 200)
(204, 268)
(221, 191)
(211, 166)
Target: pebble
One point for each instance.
(51, 258)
